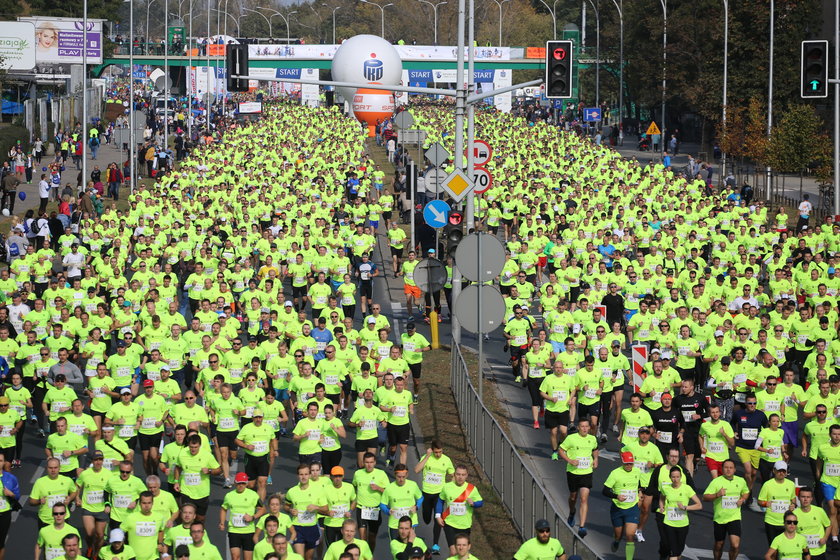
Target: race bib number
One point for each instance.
(666, 437)
(629, 496)
(687, 414)
(409, 347)
(368, 425)
(122, 501)
(228, 423)
(145, 529)
(740, 378)
(675, 514)
(458, 508)
(398, 512)
(716, 447)
(813, 541)
(127, 431)
(632, 431)
(306, 517)
(95, 496)
(54, 553)
(832, 469)
(520, 340)
(329, 442)
(192, 479)
(148, 423)
(584, 463)
(238, 520)
(55, 499)
(400, 411)
(331, 380)
(729, 502)
(63, 461)
(6, 431)
(772, 406)
(370, 513)
(561, 396)
(779, 506)
(260, 447)
(58, 405)
(642, 466)
(339, 510)
(644, 333)
(749, 433)
(774, 453)
(433, 478)
(590, 393)
(801, 339)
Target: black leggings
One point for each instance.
(534, 390)
(675, 537)
(429, 503)
(5, 523)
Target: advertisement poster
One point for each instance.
(17, 45)
(61, 40)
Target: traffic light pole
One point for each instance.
(836, 107)
(460, 106)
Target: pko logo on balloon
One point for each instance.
(373, 70)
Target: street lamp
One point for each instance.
(553, 18)
(148, 35)
(285, 19)
(381, 9)
(621, 69)
(597, 53)
(263, 16)
(334, 10)
(664, 67)
(725, 76)
(236, 21)
(500, 18)
(434, 9)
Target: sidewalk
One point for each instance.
(107, 154)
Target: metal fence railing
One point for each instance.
(521, 492)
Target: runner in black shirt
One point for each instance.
(693, 407)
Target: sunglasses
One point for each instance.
(791, 522)
(57, 513)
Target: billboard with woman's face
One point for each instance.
(60, 40)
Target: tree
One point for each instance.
(798, 141)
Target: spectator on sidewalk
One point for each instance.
(805, 209)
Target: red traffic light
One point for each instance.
(455, 218)
(559, 54)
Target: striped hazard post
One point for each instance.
(639, 357)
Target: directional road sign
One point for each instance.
(404, 120)
(434, 180)
(481, 153)
(457, 185)
(436, 213)
(437, 154)
(592, 114)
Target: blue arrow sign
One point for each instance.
(592, 114)
(436, 213)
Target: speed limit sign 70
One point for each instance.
(482, 179)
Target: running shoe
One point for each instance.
(436, 550)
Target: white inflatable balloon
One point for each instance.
(367, 59)
(5, 211)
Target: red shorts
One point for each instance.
(541, 261)
(713, 465)
(20, 168)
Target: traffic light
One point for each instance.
(453, 232)
(558, 69)
(814, 69)
(237, 65)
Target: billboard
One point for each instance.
(250, 107)
(17, 45)
(60, 40)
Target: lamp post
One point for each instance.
(131, 146)
(148, 36)
(553, 18)
(434, 9)
(382, 10)
(597, 53)
(664, 67)
(770, 90)
(285, 19)
(236, 21)
(621, 68)
(500, 19)
(263, 16)
(725, 76)
(333, 14)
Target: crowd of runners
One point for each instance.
(227, 316)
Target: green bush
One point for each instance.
(9, 135)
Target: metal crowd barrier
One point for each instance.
(522, 494)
